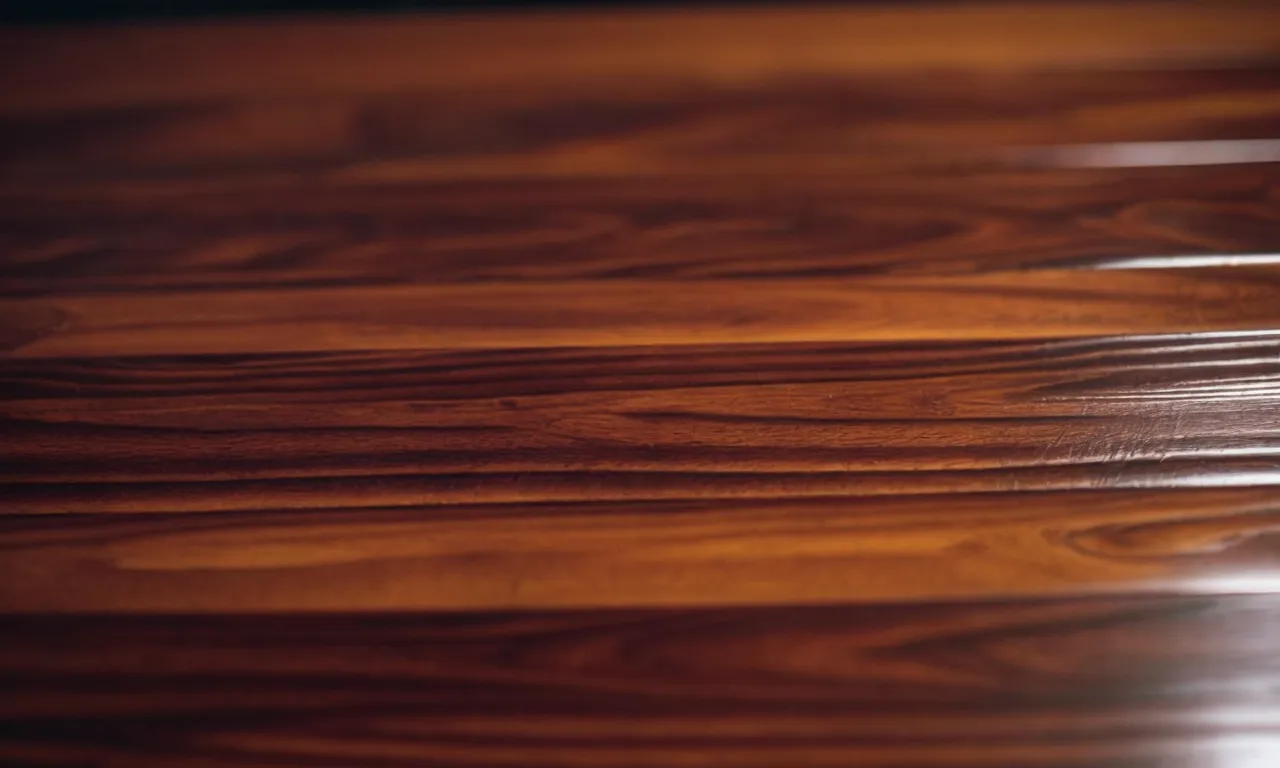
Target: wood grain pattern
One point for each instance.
(727, 552)
(1045, 304)
(392, 429)
(672, 126)
(1115, 682)
(138, 235)
(847, 386)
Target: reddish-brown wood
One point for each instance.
(149, 236)
(1119, 682)
(849, 386)
(407, 556)
(738, 421)
(642, 312)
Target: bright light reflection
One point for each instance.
(1155, 154)
(1245, 751)
(1191, 261)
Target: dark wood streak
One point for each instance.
(248, 234)
(69, 69)
(419, 428)
(1116, 682)
(1143, 368)
(831, 119)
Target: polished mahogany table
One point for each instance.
(762, 387)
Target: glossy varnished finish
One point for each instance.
(703, 552)
(1119, 682)
(816, 387)
(742, 421)
(858, 122)
(153, 235)
(514, 314)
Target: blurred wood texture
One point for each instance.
(770, 386)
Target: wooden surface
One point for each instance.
(870, 386)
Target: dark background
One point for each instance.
(58, 11)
